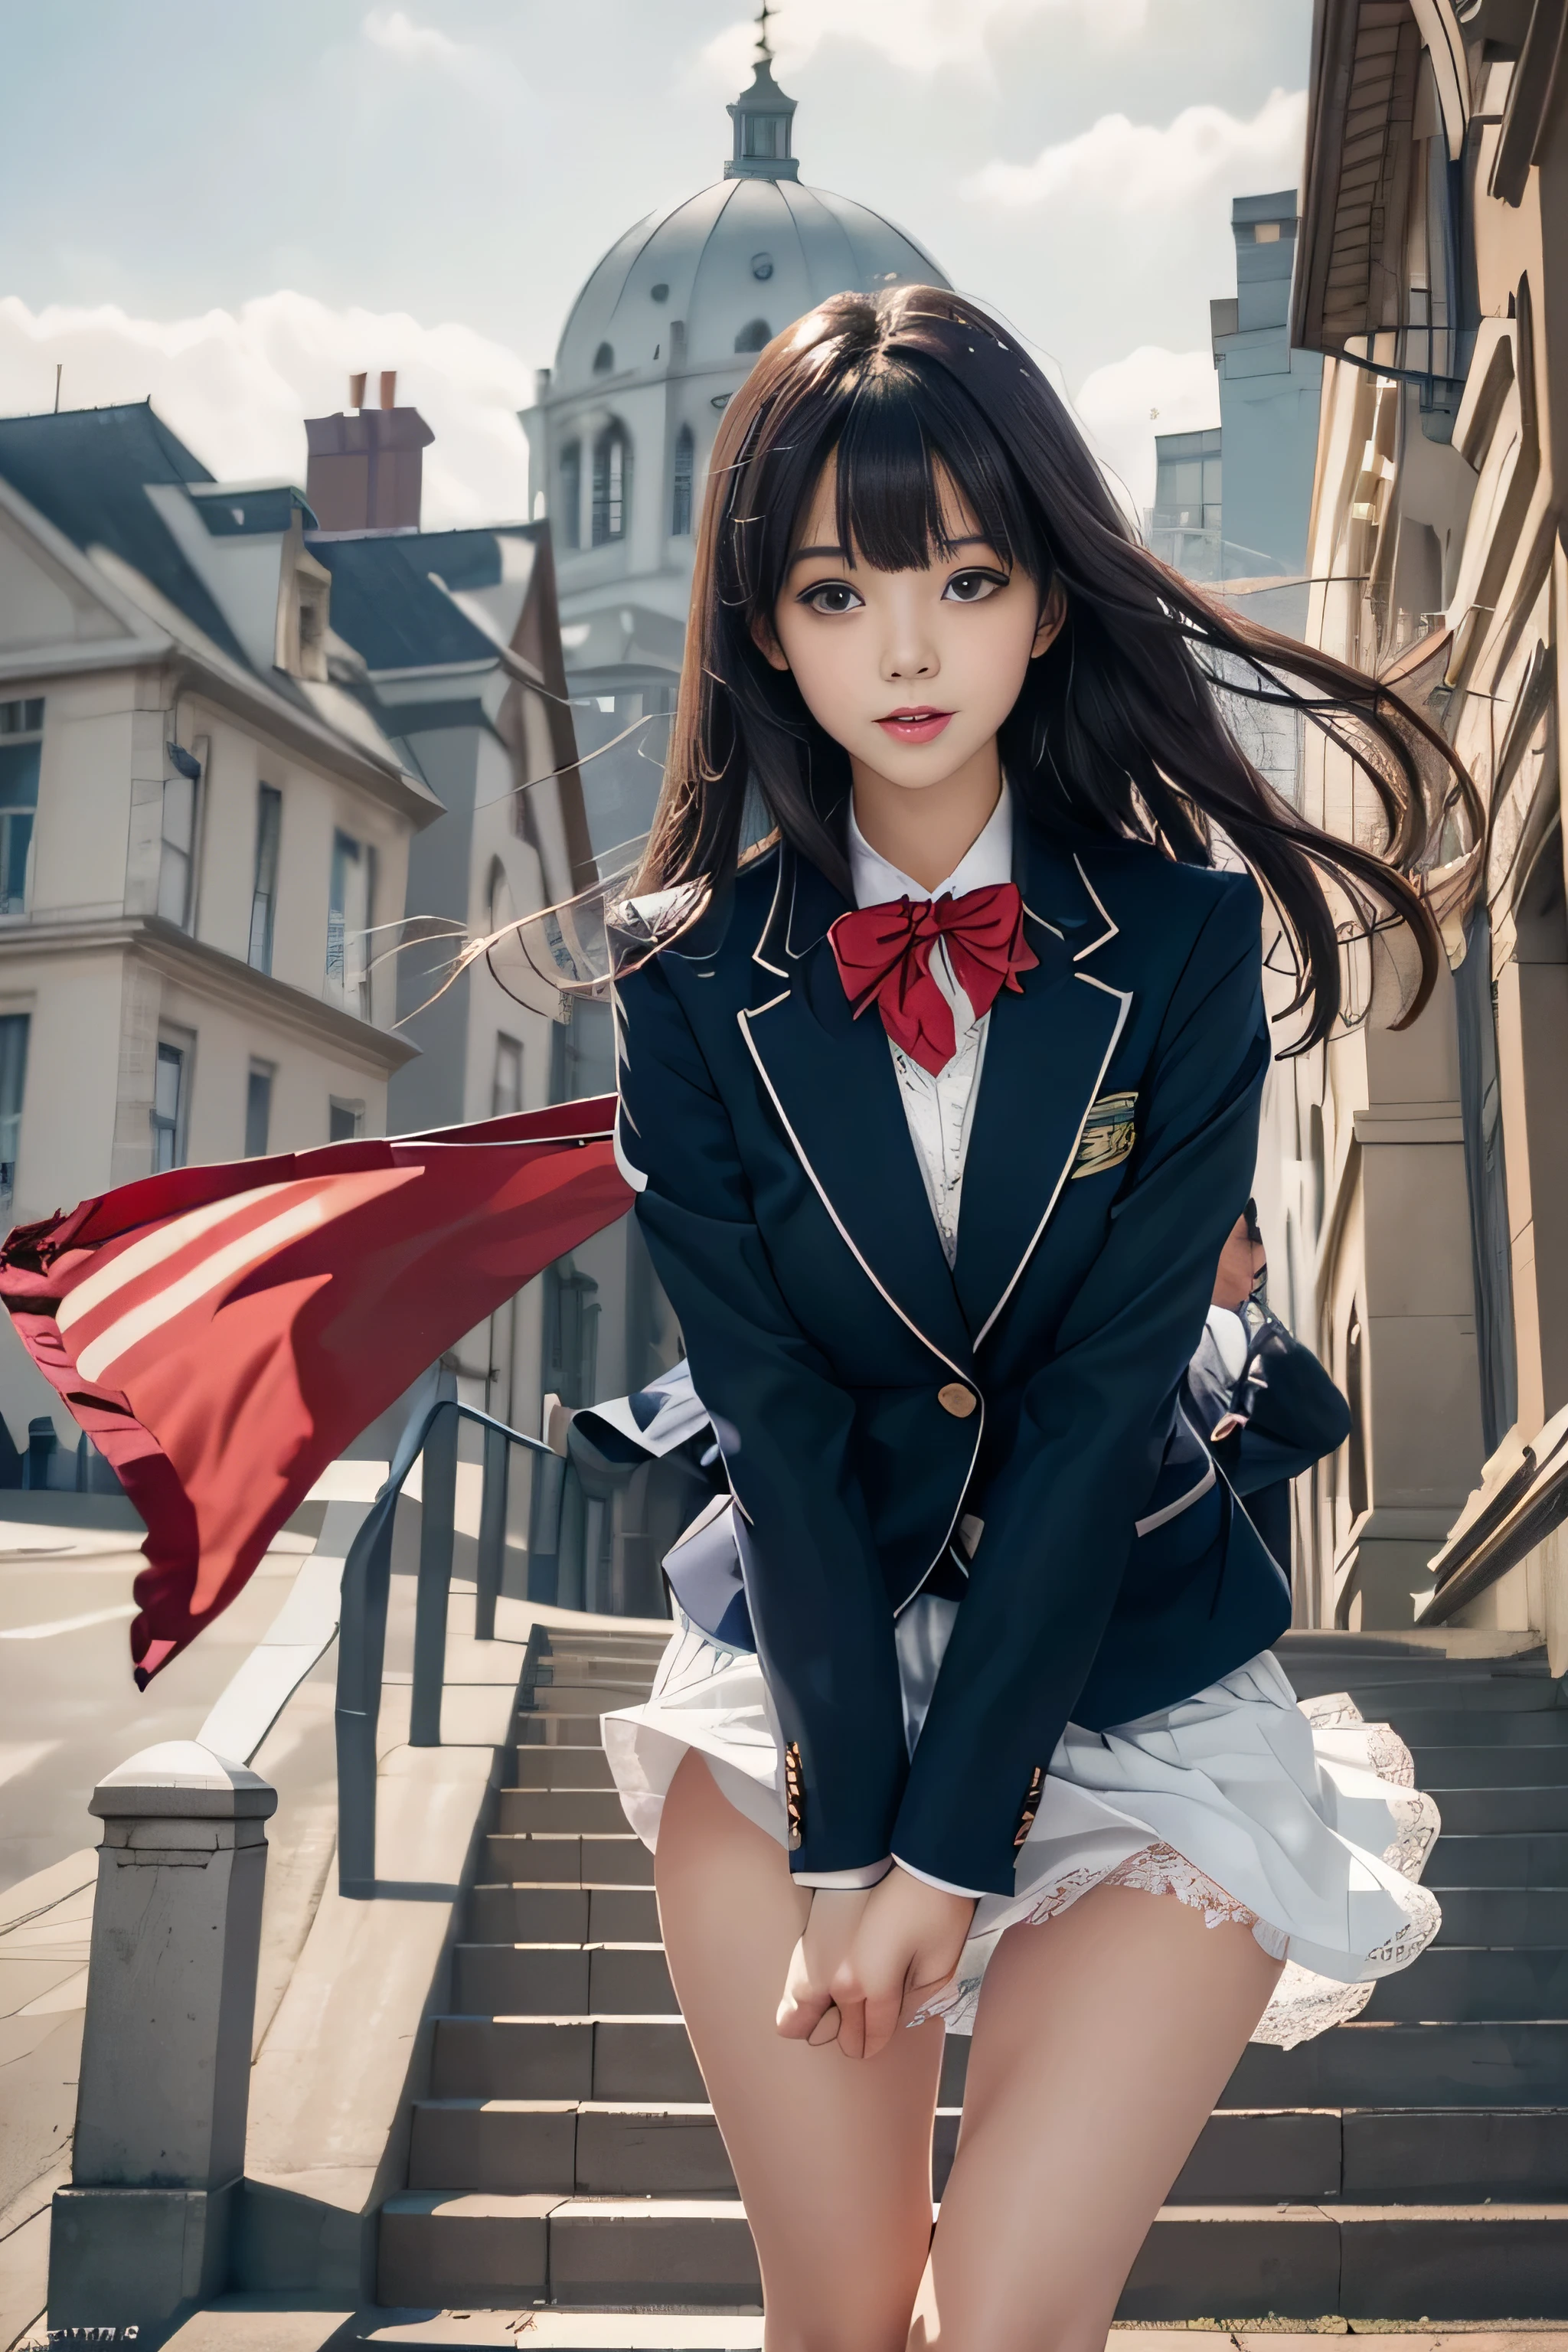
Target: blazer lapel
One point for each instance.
(832, 1082)
(1046, 1054)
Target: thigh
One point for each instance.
(832, 2155)
(1103, 2040)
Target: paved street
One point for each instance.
(69, 1710)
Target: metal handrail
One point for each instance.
(431, 1430)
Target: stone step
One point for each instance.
(1544, 1766)
(597, 2148)
(1498, 1858)
(542, 1859)
(1413, 2156)
(1492, 2064)
(1438, 2262)
(1459, 2156)
(1379, 1696)
(563, 1915)
(589, 1700)
(1472, 1811)
(1449, 1726)
(530, 1979)
(569, 2057)
(561, 1768)
(1511, 2063)
(556, 1730)
(1451, 1984)
(597, 1810)
(1515, 1917)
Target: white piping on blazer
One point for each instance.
(968, 1379)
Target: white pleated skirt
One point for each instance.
(1299, 1821)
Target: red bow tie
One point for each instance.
(884, 953)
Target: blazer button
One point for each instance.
(955, 1399)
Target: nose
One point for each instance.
(908, 653)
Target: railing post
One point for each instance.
(492, 1533)
(439, 1504)
(165, 2063)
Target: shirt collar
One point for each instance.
(987, 861)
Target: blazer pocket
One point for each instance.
(1108, 1135)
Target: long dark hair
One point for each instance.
(1118, 729)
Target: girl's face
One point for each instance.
(912, 672)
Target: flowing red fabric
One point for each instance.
(223, 1333)
(884, 955)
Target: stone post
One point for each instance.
(165, 2064)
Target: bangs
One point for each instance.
(899, 426)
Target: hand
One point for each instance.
(905, 1949)
(807, 2012)
(865, 1957)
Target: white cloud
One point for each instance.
(237, 385)
(923, 36)
(396, 32)
(1133, 167)
(1122, 407)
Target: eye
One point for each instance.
(830, 596)
(973, 587)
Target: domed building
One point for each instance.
(656, 343)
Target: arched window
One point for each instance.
(604, 360)
(612, 485)
(572, 494)
(500, 909)
(753, 335)
(680, 495)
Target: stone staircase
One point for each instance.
(1413, 2165)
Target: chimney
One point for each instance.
(366, 467)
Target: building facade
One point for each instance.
(199, 821)
(663, 334)
(1420, 1216)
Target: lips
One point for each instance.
(920, 724)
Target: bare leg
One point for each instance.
(1102, 2041)
(832, 2155)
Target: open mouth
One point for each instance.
(918, 725)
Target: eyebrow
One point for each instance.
(805, 554)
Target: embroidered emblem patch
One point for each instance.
(1108, 1135)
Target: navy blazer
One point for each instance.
(871, 1400)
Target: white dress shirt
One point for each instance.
(941, 1109)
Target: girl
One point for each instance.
(941, 1042)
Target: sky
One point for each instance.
(228, 208)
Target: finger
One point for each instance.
(801, 2011)
(881, 2018)
(852, 2028)
(826, 2031)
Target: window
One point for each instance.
(14, 1029)
(571, 495)
(346, 1120)
(258, 1110)
(169, 1090)
(680, 498)
(506, 1090)
(501, 909)
(753, 335)
(612, 484)
(766, 136)
(21, 753)
(604, 360)
(176, 860)
(264, 889)
(348, 923)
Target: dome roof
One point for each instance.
(722, 272)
